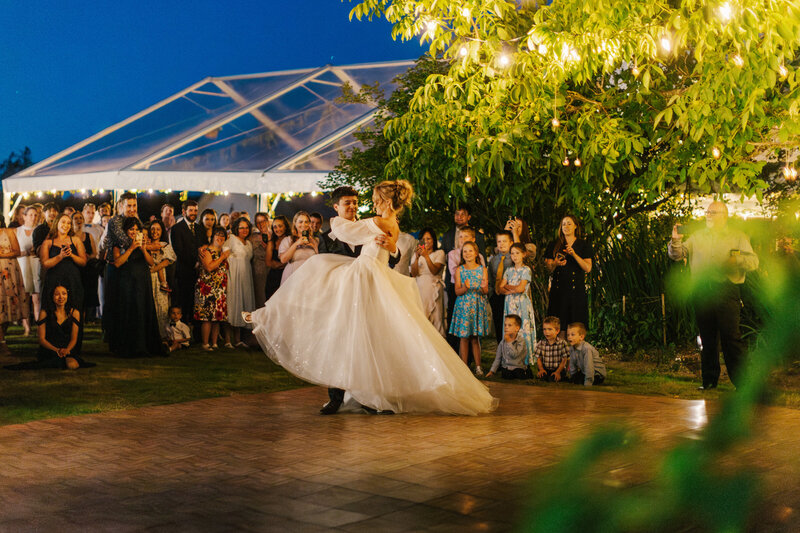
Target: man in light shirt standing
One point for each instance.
(719, 258)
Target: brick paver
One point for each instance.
(269, 462)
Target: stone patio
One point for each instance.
(269, 462)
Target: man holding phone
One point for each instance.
(719, 258)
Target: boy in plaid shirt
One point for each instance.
(551, 353)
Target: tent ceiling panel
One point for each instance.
(248, 125)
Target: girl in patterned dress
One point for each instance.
(470, 315)
(210, 296)
(516, 286)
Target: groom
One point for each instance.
(345, 202)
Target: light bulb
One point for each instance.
(635, 71)
(38, 194)
(206, 191)
(504, 60)
(149, 191)
(738, 61)
(725, 12)
(465, 12)
(102, 191)
(542, 49)
(565, 162)
(83, 191)
(463, 51)
(716, 152)
(468, 178)
(577, 162)
(555, 122)
(783, 71)
(666, 44)
(225, 193)
(431, 25)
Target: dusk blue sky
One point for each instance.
(72, 68)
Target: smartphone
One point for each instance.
(264, 238)
(560, 256)
(305, 234)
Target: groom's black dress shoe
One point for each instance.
(372, 411)
(330, 408)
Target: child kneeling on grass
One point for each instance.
(512, 352)
(585, 364)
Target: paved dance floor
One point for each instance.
(269, 462)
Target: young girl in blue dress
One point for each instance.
(516, 286)
(470, 315)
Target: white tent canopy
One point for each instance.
(263, 133)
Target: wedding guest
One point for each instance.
(104, 209)
(162, 258)
(406, 243)
(240, 281)
(224, 221)
(280, 232)
(89, 216)
(17, 217)
(296, 250)
(512, 355)
(516, 288)
(426, 266)
(167, 218)
(62, 255)
(208, 219)
(138, 334)
(259, 239)
(315, 224)
(50, 212)
(69, 210)
(115, 236)
(211, 294)
(91, 271)
(186, 237)
(498, 263)
(59, 331)
(470, 314)
(14, 303)
(568, 259)
(178, 334)
(234, 215)
(29, 263)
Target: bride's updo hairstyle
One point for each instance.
(398, 193)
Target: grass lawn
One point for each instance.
(193, 374)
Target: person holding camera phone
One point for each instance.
(719, 258)
(569, 259)
(295, 251)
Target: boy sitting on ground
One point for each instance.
(585, 364)
(512, 352)
(178, 334)
(551, 353)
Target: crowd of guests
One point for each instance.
(189, 276)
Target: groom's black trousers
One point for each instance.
(336, 395)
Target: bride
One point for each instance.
(365, 328)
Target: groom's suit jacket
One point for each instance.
(329, 244)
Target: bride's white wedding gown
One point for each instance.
(357, 325)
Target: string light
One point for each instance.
(666, 44)
(463, 51)
(565, 162)
(468, 178)
(102, 191)
(542, 49)
(149, 191)
(206, 191)
(738, 61)
(465, 12)
(52, 191)
(635, 71)
(38, 194)
(504, 60)
(789, 173)
(83, 191)
(431, 25)
(555, 122)
(577, 162)
(725, 12)
(716, 152)
(783, 71)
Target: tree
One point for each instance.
(606, 109)
(15, 162)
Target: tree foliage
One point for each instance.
(15, 162)
(651, 96)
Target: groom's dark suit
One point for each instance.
(328, 244)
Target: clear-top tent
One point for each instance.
(262, 133)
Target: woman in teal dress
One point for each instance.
(470, 319)
(516, 286)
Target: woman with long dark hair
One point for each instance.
(569, 259)
(280, 231)
(426, 267)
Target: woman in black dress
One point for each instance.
(569, 259)
(62, 256)
(135, 311)
(280, 230)
(59, 324)
(91, 272)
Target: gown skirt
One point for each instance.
(355, 324)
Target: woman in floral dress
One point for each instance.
(210, 296)
(13, 299)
